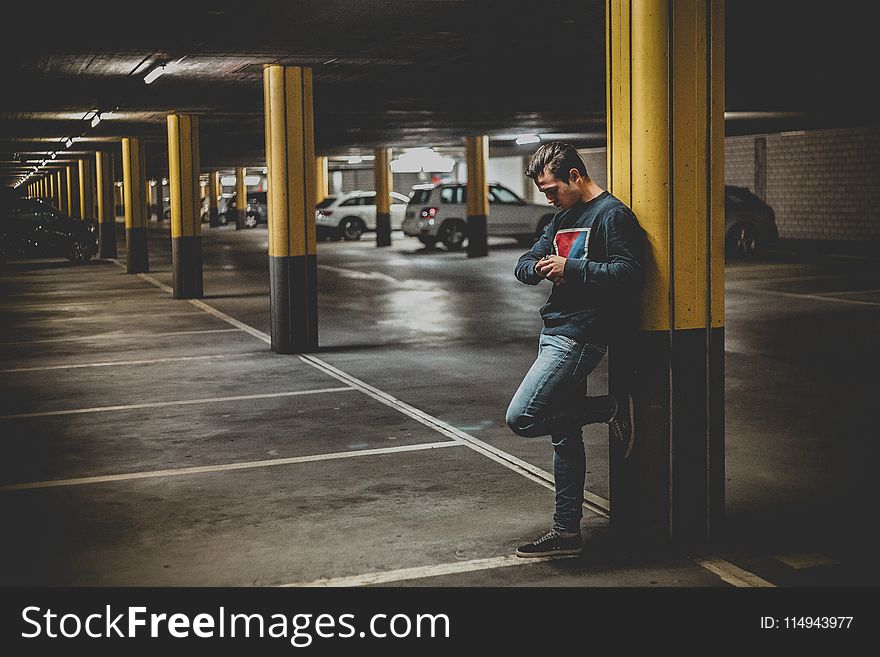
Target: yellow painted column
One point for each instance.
(665, 112)
(106, 205)
(73, 208)
(240, 197)
(382, 171)
(477, 156)
(186, 205)
(61, 188)
(50, 192)
(86, 190)
(213, 195)
(290, 157)
(322, 178)
(134, 192)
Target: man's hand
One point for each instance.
(551, 267)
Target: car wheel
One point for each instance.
(743, 242)
(428, 241)
(80, 252)
(222, 219)
(453, 234)
(250, 221)
(351, 228)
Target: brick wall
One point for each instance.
(822, 184)
(739, 161)
(826, 184)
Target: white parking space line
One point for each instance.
(733, 574)
(111, 363)
(813, 297)
(419, 572)
(244, 465)
(598, 505)
(118, 335)
(60, 305)
(360, 275)
(592, 502)
(845, 292)
(804, 561)
(180, 402)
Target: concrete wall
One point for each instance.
(822, 184)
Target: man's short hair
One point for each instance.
(558, 158)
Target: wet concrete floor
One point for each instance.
(159, 442)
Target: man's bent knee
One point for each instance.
(523, 425)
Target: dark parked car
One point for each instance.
(749, 224)
(256, 211)
(33, 228)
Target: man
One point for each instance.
(592, 252)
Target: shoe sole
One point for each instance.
(554, 553)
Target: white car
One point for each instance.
(438, 213)
(349, 215)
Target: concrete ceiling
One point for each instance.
(397, 73)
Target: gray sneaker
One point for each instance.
(621, 425)
(551, 544)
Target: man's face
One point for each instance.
(559, 193)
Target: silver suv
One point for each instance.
(438, 213)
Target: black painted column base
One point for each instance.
(293, 303)
(213, 217)
(383, 229)
(137, 245)
(107, 239)
(186, 262)
(671, 487)
(478, 239)
(237, 217)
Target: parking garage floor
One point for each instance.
(149, 441)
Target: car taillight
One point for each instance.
(428, 213)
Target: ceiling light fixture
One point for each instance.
(96, 119)
(527, 139)
(155, 73)
(68, 142)
(54, 154)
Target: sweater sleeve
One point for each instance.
(525, 267)
(625, 245)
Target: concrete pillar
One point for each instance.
(73, 208)
(86, 190)
(382, 172)
(213, 193)
(134, 190)
(106, 205)
(61, 187)
(477, 155)
(240, 197)
(322, 178)
(186, 224)
(290, 154)
(665, 108)
(761, 168)
(119, 196)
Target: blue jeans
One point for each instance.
(552, 399)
